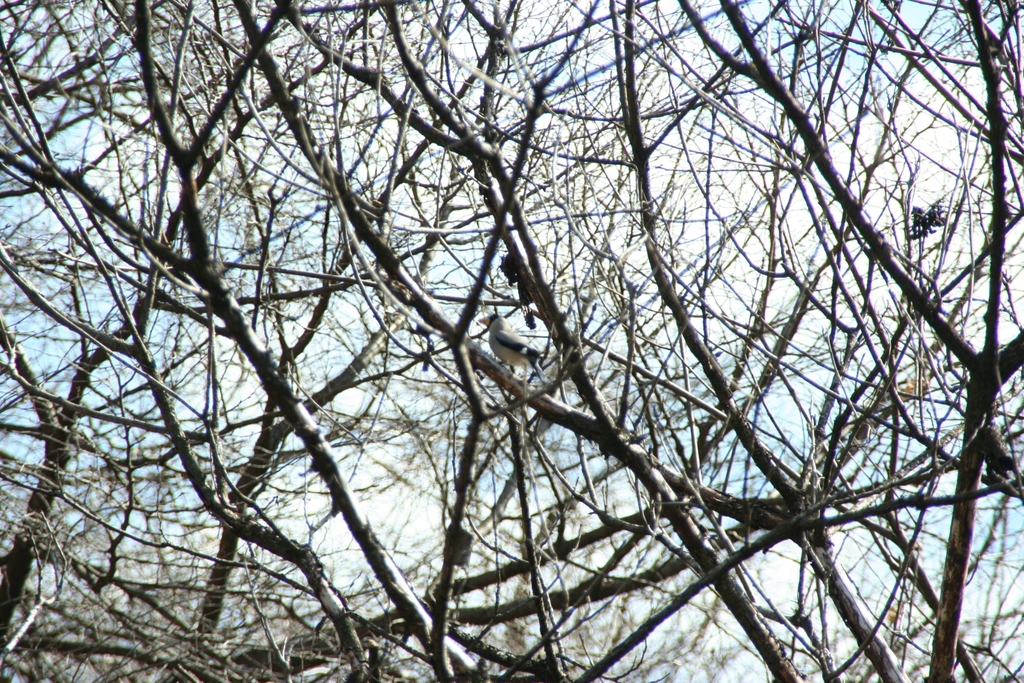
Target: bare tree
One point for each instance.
(253, 431)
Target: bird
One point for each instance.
(510, 347)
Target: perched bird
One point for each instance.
(510, 347)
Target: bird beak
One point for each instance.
(485, 321)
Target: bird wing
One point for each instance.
(518, 345)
